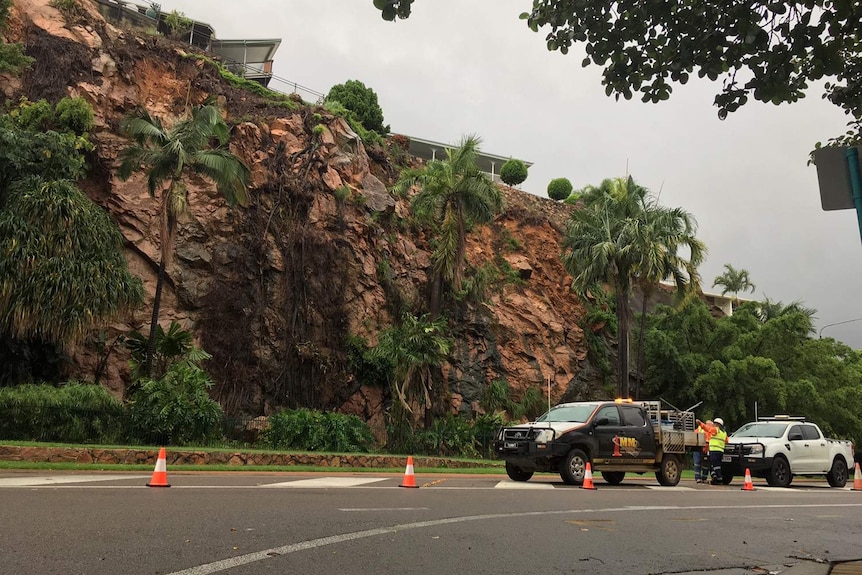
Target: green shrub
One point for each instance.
(368, 137)
(495, 397)
(35, 116)
(362, 102)
(74, 115)
(513, 172)
(312, 430)
(178, 23)
(69, 8)
(559, 189)
(573, 198)
(71, 413)
(176, 408)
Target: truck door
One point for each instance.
(640, 430)
(819, 448)
(608, 430)
(801, 451)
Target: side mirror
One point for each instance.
(601, 421)
(795, 437)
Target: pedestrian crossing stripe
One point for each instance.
(47, 481)
(327, 482)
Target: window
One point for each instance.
(810, 432)
(609, 411)
(633, 416)
(795, 433)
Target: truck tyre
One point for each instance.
(779, 475)
(574, 467)
(726, 478)
(613, 477)
(670, 470)
(837, 476)
(515, 473)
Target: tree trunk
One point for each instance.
(154, 321)
(435, 302)
(641, 346)
(623, 341)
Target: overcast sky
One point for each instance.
(458, 67)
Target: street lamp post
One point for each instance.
(820, 333)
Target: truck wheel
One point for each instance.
(779, 475)
(670, 470)
(837, 476)
(515, 473)
(726, 478)
(574, 467)
(613, 477)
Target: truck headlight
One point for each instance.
(755, 450)
(544, 436)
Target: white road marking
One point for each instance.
(668, 488)
(522, 485)
(42, 481)
(384, 509)
(327, 482)
(248, 558)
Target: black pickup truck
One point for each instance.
(615, 437)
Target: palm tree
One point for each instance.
(194, 145)
(454, 195)
(623, 237)
(734, 281)
(662, 233)
(598, 249)
(770, 309)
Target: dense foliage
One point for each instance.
(764, 49)
(62, 269)
(411, 349)
(62, 263)
(175, 408)
(513, 172)
(454, 195)
(623, 238)
(753, 363)
(362, 102)
(559, 189)
(311, 430)
(71, 413)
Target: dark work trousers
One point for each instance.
(715, 461)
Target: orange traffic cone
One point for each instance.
(747, 486)
(857, 480)
(588, 478)
(160, 473)
(409, 479)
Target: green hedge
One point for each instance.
(72, 413)
(311, 430)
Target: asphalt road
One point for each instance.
(244, 523)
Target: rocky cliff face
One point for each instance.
(274, 290)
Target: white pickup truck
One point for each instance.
(779, 447)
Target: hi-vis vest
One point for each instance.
(707, 433)
(717, 441)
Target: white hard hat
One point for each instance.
(718, 420)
